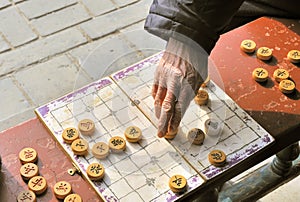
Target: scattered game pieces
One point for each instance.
(133, 134)
(26, 196)
(80, 147)
(287, 86)
(29, 170)
(86, 127)
(264, 53)
(212, 127)
(171, 134)
(196, 136)
(95, 171)
(178, 183)
(28, 155)
(37, 184)
(202, 97)
(294, 56)
(100, 150)
(280, 74)
(260, 74)
(70, 134)
(62, 189)
(248, 46)
(217, 158)
(73, 198)
(117, 144)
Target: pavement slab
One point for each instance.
(60, 20)
(122, 3)
(109, 23)
(106, 56)
(3, 45)
(51, 79)
(39, 50)
(99, 7)
(15, 28)
(12, 99)
(36, 8)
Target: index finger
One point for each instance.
(167, 110)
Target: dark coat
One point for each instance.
(204, 20)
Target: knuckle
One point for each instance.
(167, 106)
(157, 103)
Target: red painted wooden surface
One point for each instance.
(276, 112)
(52, 162)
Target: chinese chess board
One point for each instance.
(142, 171)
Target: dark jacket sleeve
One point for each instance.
(198, 20)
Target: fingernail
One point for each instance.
(160, 134)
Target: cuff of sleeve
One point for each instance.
(194, 54)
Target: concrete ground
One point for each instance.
(49, 48)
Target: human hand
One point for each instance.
(177, 79)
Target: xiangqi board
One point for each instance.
(142, 170)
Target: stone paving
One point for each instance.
(49, 48)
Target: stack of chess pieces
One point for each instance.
(212, 127)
